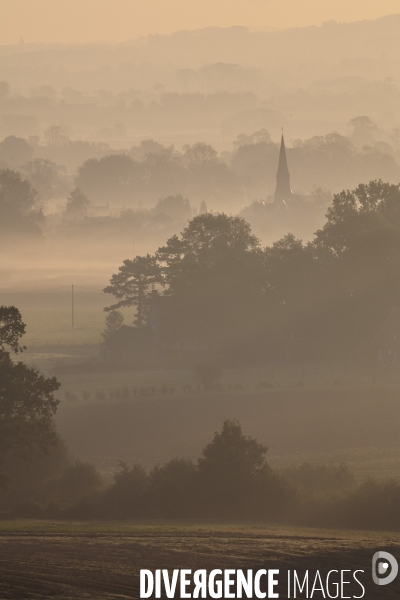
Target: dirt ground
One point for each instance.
(104, 563)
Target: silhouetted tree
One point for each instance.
(133, 284)
(27, 402)
(235, 478)
(262, 136)
(363, 129)
(15, 151)
(173, 489)
(42, 174)
(114, 320)
(176, 207)
(55, 135)
(232, 457)
(77, 204)
(18, 211)
(114, 176)
(212, 274)
(11, 328)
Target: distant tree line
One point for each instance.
(233, 179)
(237, 181)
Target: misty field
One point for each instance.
(102, 560)
(357, 425)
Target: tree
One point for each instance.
(55, 135)
(235, 477)
(353, 212)
(173, 489)
(15, 151)
(27, 402)
(11, 328)
(133, 284)
(116, 175)
(212, 274)
(128, 497)
(79, 481)
(363, 130)
(232, 456)
(176, 207)
(258, 137)
(42, 174)
(77, 204)
(200, 153)
(18, 210)
(359, 247)
(206, 238)
(114, 320)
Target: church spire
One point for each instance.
(282, 191)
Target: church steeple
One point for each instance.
(282, 191)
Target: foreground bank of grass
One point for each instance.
(167, 527)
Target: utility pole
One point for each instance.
(72, 307)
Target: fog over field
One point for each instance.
(199, 290)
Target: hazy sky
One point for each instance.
(119, 20)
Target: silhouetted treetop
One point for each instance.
(232, 455)
(11, 328)
(18, 211)
(133, 284)
(207, 235)
(369, 207)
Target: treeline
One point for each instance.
(230, 481)
(288, 301)
(138, 176)
(231, 180)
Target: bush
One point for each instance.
(315, 481)
(78, 482)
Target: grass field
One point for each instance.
(102, 560)
(358, 426)
(48, 314)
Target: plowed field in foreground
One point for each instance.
(104, 564)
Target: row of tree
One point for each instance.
(230, 481)
(144, 173)
(233, 179)
(290, 299)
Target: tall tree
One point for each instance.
(212, 274)
(11, 328)
(77, 204)
(18, 208)
(27, 402)
(133, 284)
(114, 320)
(42, 174)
